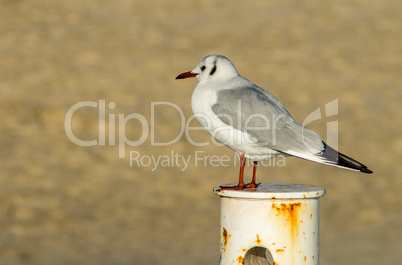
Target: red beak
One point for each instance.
(186, 75)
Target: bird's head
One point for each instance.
(212, 67)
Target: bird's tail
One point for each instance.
(331, 157)
(334, 158)
(349, 163)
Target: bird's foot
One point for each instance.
(230, 187)
(252, 185)
(240, 187)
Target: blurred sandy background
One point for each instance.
(66, 204)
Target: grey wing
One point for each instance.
(258, 113)
(255, 111)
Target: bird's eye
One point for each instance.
(203, 68)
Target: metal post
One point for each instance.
(273, 224)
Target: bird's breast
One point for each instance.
(202, 100)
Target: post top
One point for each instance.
(273, 191)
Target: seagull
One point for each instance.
(253, 122)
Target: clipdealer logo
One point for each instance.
(122, 120)
(108, 122)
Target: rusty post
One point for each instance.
(272, 224)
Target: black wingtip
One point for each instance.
(348, 162)
(366, 170)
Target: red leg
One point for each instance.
(253, 184)
(241, 184)
(254, 172)
(241, 173)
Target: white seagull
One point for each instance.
(252, 121)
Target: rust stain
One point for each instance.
(288, 215)
(244, 250)
(305, 258)
(220, 190)
(275, 263)
(313, 257)
(225, 238)
(279, 250)
(240, 259)
(273, 197)
(258, 240)
(290, 212)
